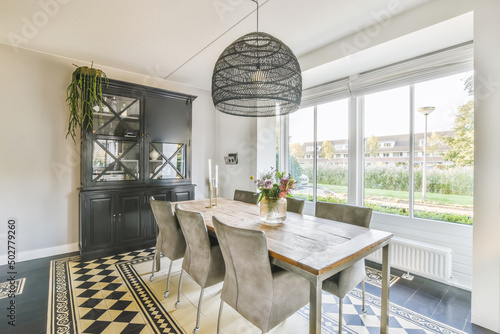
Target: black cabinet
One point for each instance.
(98, 214)
(138, 145)
(130, 225)
(182, 194)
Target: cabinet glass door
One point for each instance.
(167, 161)
(115, 160)
(119, 116)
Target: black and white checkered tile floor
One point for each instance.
(109, 296)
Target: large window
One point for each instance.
(387, 148)
(320, 152)
(333, 146)
(444, 147)
(413, 156)
(301, 151)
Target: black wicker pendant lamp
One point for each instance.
(257, 76)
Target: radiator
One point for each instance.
(418, 258)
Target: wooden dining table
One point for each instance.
(311, 247)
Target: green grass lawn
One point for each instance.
(452, 200)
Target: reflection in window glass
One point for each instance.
(119, 116)
(167, 161)
(301, 151)
(445, 146)
(332, 136)
(105, 157)
(387, 147)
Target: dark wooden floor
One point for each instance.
(438, 301)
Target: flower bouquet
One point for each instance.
(274, 187)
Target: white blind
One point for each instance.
(427, 67)
(434, 65)
(332, 91)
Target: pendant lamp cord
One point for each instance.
(258, 58)
(257, 3)
(216, 39)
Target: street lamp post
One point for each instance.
(425, 111)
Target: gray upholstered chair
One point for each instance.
(263, 294)
(170, 240)
(341, 283)
(246, 196)
(202, 261)
(295, 205)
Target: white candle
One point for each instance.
(209, 170)
(216, 175)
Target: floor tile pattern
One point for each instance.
(152, 308)
(401, 320)
(104, 296)
(109, 295)
(5, 287)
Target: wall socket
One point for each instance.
(231, 159)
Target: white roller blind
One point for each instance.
(332, 91)
(434, 65)
(427, 67)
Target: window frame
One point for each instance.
(356, 154)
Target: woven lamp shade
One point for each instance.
(257, 76)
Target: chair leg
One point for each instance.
(363, 286)
(153, 269)
(341, 304)
(179, 291)
(220, 316)
(198, 313)
(165, 295)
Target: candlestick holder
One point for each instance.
(216, 196)
(210, 191)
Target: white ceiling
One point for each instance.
(179, 40)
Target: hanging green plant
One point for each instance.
(83, 93)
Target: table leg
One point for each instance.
(384, 307)
(315, 306)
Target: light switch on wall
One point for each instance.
(231, 159)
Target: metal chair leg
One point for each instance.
(198, 313)
(153, 269)
(165, 295)
(220, 316)
(363, 286)
(179, 291)
(341, 303)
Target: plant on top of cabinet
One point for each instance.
(82, 95)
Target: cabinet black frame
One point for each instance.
(141, 93)
(109, 216)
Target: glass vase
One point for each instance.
(273, 210)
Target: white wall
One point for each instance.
(40, 169)
(486, 269)
(235, 135)
(254, 139)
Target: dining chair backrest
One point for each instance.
(354, 215)
(198, 251)
(170, 240)
(295, 205)
(248, 283)
(246, 196)
(344, 281)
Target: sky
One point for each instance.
(387, 112)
